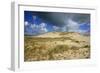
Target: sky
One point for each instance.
(36, 23)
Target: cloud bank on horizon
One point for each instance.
(36, 23)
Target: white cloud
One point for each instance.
(72, 26)
(56, 28)
(33, 26)
(42, 25)
(75, 27)
(64, 28)
(85, 24)
(26, 23)
(41, 28)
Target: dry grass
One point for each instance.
(37, 49)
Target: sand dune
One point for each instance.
(57, 46)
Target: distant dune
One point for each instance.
(73, 35)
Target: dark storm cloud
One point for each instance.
(57, 19)
(61, 19)
(81, 18)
